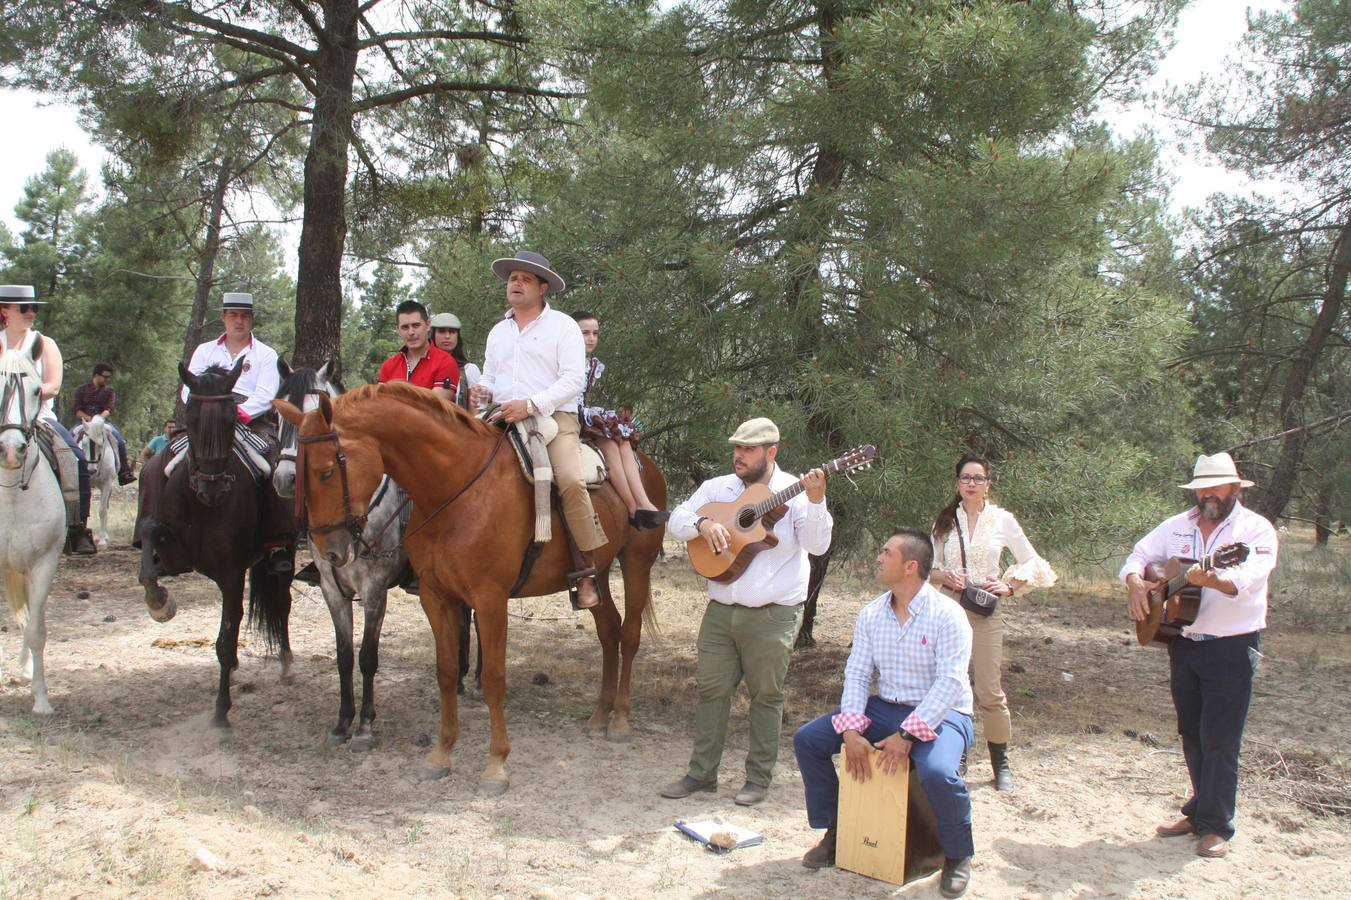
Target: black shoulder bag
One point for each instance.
(976, 600)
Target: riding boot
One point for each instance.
(124, 474)
(999, 762)
(408, 580)
(80, 540)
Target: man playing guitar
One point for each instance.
(1212, 663)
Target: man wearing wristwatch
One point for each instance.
(533, 365)
(918, 645)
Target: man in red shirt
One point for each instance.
(418, 361)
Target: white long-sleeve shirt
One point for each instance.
(257, 383)
(542, 362)
(996, 528)
(778, 574)
(1220, 614)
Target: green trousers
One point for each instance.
(736, 643)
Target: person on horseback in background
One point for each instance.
(18, 308)
(254, 390)
(446, 336)
(96, 397)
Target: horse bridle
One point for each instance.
(195, 475)
(355, 524)
(25, 426)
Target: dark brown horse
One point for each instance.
(206, 518)
(473, 517)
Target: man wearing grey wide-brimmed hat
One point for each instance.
(533, 365)
(1213, 660)
(750, 623)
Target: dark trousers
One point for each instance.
(82, 468)
(1212, 685)
(933, 762)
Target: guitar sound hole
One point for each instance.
(745, 518)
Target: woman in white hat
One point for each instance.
(446, 336)
(18, 309)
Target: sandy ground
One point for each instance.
(128, 791)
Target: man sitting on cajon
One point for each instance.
(918, 644)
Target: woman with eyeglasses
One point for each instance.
(18, 309)
(970, 536)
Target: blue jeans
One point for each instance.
(122, 460)
(934, 763)
(1212, 685)
(82, 468)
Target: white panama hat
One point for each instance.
(1213, 470)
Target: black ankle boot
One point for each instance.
(999, 762)
(80, 541)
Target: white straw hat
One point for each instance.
(1212, 470)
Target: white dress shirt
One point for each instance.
(541, 362)
(257, 383)
(920, 664)
(778, 574)
(1220, 615)
(996, 528)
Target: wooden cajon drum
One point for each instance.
(886, 828)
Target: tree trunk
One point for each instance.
(1322, 514)
(206, 270)
(1286, 470)
(323, 231)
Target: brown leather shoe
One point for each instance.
(822, 856)
(1212, 846)
(1179, 828)
(678, 790)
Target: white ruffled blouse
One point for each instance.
(996, 528)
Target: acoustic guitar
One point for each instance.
(1174, 603)
(750, 520)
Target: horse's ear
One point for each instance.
(283, 368)
(289, 412)
(326, 410)
(332, 370)
(234, 374)
(37, 348)
(187, 377)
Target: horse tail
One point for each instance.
(650, 615)
(269, 603)
(16, 586)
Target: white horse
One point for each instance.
(32, 514)
(96, 440)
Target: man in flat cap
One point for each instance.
(750, 623)
(1212, 662)
(533, 365)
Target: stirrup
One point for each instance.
(573, 579)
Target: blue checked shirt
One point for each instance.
(921, 663)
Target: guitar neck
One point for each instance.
(779, 498)
(1179, 581)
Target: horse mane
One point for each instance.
(12, 362)
(411, 395)
(299, 383)
(216, 423)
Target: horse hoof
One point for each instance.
(361, 743)
(221, 723)
(618, 737)
(162, 607)
(492, 787)
(335, 739)
(432, 773)
(43, 708)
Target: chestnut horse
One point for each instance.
(472, 519)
